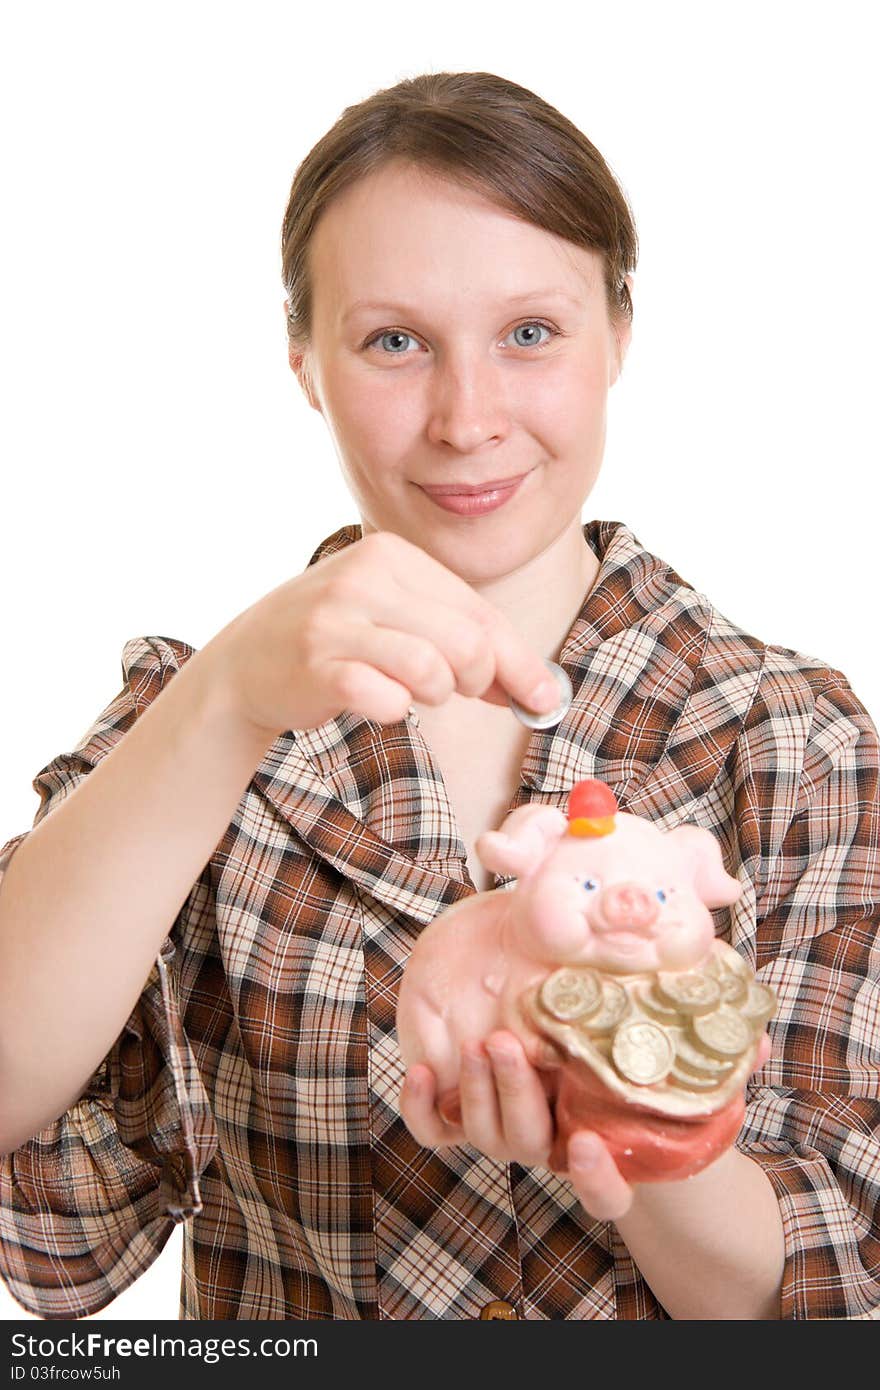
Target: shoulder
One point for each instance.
(149, 663)
(803, 708)
(655, 603)
(802, 785)
(724, 724)
(774, 691)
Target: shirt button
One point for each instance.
(498, 1309)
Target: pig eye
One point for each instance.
(661, 896)
(591, 884)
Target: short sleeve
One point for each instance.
(87, 1204)
(813, 1114)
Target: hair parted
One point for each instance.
(482, 132)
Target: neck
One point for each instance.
(543, 597)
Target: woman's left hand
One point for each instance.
(504, 1111)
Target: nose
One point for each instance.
(467, 407)
(628, 905)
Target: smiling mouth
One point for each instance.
(628, 936)
(473, 499)
(470, 489)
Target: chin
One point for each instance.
(482, 550)
(479, 562)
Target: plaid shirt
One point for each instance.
(253, 1091)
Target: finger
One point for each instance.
(480, 1115)
(410, 659)
(460, 639)
(362, 689)
(518, 673)
(526, 1119)
(495, 695)
(519, 669)
(596, 1179)
(419, 1114)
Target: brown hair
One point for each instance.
(482, 132)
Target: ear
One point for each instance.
(526, 838)
(622, 335)
(702, 855)
(299, 365)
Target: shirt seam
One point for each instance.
(374, 1225)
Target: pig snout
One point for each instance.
(627, 906)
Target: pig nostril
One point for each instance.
(633, 906)
(633, 901)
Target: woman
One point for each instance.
(294, 802)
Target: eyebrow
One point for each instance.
(412, 310)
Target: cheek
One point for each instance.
(367, 421)
(373, 433)
(680, 947)
(368, 409)
(563, 401)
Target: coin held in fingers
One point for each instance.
(531, 719)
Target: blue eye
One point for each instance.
(591, 884)
(661, 896)
(393, 340)
(529, 327)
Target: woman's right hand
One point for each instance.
(371, 630)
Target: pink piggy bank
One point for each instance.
(605, 947)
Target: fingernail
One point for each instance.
(549, 701)
(449, 1109)
(544, 697)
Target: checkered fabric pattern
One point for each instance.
(252, 1093)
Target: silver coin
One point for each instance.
(733, 988)
(568, 994)
(732, 975)
(694, 1059)
(652, 1004)
(724, 1033)
(689, 991)
(688, 1081)
(643, 1052)
(553, 716)
(760, 1005)
(614, 1007)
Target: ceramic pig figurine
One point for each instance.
(604, 946)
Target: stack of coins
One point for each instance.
(597, 1003)
(688, 1039)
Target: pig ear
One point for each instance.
(527, 836)
(701, 852)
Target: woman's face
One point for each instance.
(461, 359)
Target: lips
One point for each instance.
(473, 499)
(627, 936)
(469, 489)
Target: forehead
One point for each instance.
(402, 231)
(634, 846)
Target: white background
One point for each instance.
(161, 470)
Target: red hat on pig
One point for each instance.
(591, 808)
